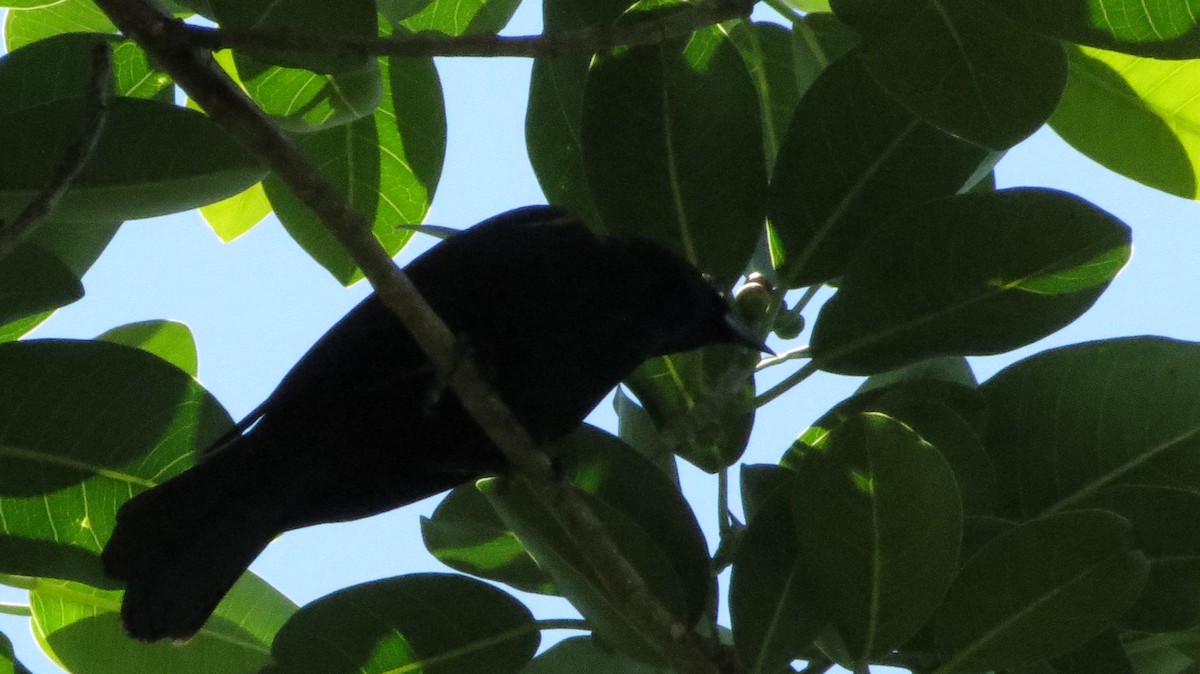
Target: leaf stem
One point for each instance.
(16, 609)
(784, 386)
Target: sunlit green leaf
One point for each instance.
(387, 165)
(1162, 28)
(462, 17)
(81, 628)
(85, 426)
(233, 217)
(45, 19)
(1150, 130)
(170, 340)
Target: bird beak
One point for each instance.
(742, 334)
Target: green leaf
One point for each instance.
(233, 217)
(432, 623)
(1161, 29)
(85, 426)
(948, 369)
(399, 10)
(463, 17)
(170, 340)
(1007, 604)
(387, 165)
(672, 148)
(60, 66)
(637, 429)
(552, 122)
(701, 401)
(68, 16)
(960, 65)
(8, 661)
(1105, 654)
(972, 275)
(1150, 130)
(302, 101)
(81, 628)
(1124, 413)
(852, 161)
(770, 597)
(347, 18)
(600, 465)
(759, 481)
(20, 328)
(76, 245)
(1166, 526)
(466, 535)
(582, 654)
(151, 159)
(33, 281)
(879, 522)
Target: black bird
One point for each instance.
(555, 315)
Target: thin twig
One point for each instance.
(94, 114)
(650, 30)
(169, 43)
(807, 370)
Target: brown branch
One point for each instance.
(168, 42)
(650, 30)
(94, 114)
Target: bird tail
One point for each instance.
(180, 546)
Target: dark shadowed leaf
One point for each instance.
(1151, 130)
(388, 165)
(1007, 604)
(851, 161)
(1105, 654)
(152, 159)
(770, 598)
(701, 402)
(670, 152)
(758, 482)
(346, 18)
(879, 523)
(960, 65)
(81, 627)
(582, 654)
(637, 429)
(170, 340)
(85, 426)
(1124, 412)
(1162, 29)
(33, 281)
(971, 275)
(1166, 526)
(60, 67)
(556, 108)
(430, 622)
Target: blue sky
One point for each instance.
(256, 304)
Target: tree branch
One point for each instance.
(650, 30)
(169, 43)
(94, 115)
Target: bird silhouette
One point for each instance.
(555, 315)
